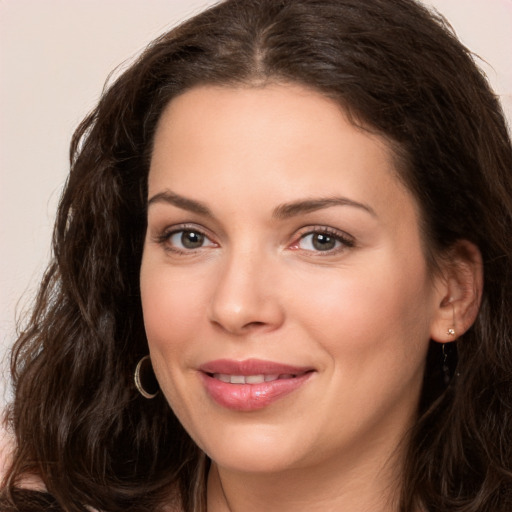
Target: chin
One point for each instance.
(257, 448)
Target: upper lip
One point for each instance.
(252, 367)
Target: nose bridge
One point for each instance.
(245, 297)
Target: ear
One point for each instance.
(459, 292)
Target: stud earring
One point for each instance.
(451, 331)
(144, 371)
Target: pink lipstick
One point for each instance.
(251, 384)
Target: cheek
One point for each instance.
(173, 307)
(173, 304)
(381, 311)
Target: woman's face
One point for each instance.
(287, 301)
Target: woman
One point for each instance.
(298, 214)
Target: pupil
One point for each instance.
(323, 242)
(192, 239)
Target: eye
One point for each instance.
(187, 239)
(318, 242)
(184, 240)
(324, 240)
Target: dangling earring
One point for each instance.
(144, 371)
(450, 359)
(446, 368)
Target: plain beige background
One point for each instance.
(54, 58)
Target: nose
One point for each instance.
(246, 297)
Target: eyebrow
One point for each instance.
(288, 210)
(281, 212)
(181, 202)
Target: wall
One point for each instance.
(54, 58)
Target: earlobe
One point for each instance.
(460, 292)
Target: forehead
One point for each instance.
(284, 140)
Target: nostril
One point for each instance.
(244, 314)
(254, 325)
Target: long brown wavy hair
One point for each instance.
(397, 69)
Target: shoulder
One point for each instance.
(6, 450)
(26, 500)
(7, 447)
(31, 496)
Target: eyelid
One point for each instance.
(163, 237)
(346, 240)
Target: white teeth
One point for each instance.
(254, 379)
(247, 379)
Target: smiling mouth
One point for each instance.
(252, 384)
(252, 379)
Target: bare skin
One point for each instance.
(278, 231)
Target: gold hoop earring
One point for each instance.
(142, 371)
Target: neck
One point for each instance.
(370, 486)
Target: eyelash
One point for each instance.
(165, 237)
(343, 240)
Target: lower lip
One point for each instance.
(251, 397)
